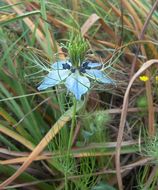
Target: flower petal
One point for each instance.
(93, 65)
(77, 84)
(99, 76)
(54, 78)
(59, 64)
(144, 78)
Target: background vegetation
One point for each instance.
(114, 142)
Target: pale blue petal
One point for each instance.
(77, 84)
(93, 65)
(59, 64)
(54, 78)
(99, 76)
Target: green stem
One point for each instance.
(70, 138)
(72, 125)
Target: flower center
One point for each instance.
(81, 69)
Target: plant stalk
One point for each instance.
(70, 139)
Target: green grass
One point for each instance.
(35, 34)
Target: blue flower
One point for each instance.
(75, 79)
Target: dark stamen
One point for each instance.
(73, 70)
(84, 66)
(82, 70)
(66, 66)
